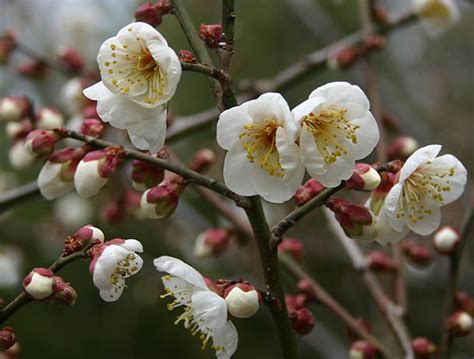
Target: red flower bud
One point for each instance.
(377, 197)
(83, 236)
(379, 261)
(402, 148)
(152, 14)
(295, 302)
(146, 175)
(212, 242)
(70, 58)
(293, 247)
(362, 349)
(64, 293)
(302, 321)
(40, 143)
(307, 191)
(7, 338)
(160, 201)
(344, 58)
(202, 160)
(422, 348)
(18, 130)
(92, 127)
(364, 178)
(460, 324)
(211, 35)
(464, 302)
(417, 253)
(187, 57)
(33, 69)
(306, 287)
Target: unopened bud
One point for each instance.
(460, 324)
(7, 338)
(152, 14)
(464, 302)
(295, 302)
(293, 247)
(202, 160)
(379, 261)
(417, 253)
(362, 349)
(211, 35)
(18, 130)
(402, 148)
(422, 348)
(146, 175)
(364, 178)
(32, 69)
(13, 108)
(39, 283)
(305, 286)
(92, 127)
(49, 118)
(19, 155)
(64, 293)
(160, 201)
(70, 58)
(212, 243)
(83, 237)
(187, 57)
(302, 321)
(446, 239)
(308, 191)
(40, 143)
(243, 300)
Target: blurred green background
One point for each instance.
(426, 83)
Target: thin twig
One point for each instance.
(18, 195)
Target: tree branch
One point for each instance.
(18, 195)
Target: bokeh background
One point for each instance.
(426, 83)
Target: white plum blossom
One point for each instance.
(205, 312)
(140, 74)
(436, 15)
(426, 182)
(19, 156)
(112, 263)
(263, 157)
(337, 129)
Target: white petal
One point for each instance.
(456, 182)
(340, 93)
(132, 245)
(310, 155)
(386, 233)
(128, 34)
(19, 156)
(429, 222)
(113, 293)
(367, 136)
(419, 157)
(87, 179)
(338, 171)
(231, 124)
(228, 338)
(306, 107)
(97, 92)
(149, 134)
(106, 264)
(210, 308)
(50, 183)
(391, 207)
(270, 104)
(237, 169)
(178, 268)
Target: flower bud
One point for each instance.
(446, 239)
(202, 160)
(7, 338)
(362, 349)
(187, 57)
(7, 45)
(152, 14)
(19, 156)
(364, 178)
(92, 127)
(295, 302)
(307, 191)
(39, 283)
(146, 175)
(13, 108)
(70, 58)
(402, 148)
(377, 197)
(40, 143)
(243, 300)
(33, 69)
(302, 321)
(357, 221)
(379, 261)
(293, 247)
(417, 253)
(94, 170)
(18, 130)
(305, 286)
(364, 325)
(464, 302)
(212, 242)
(460, 324)
(83, 236)
(160, 201)
(72, 98)
(49, 118)
(56, 176)
(211, 35)
(63, 294)
(422, 348)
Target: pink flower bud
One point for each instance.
(152, 14)
(49, 118)
(242, 299)
(33, 69)
(39, 283)
(13, 108)
(364, 178)
(160, 201)
(460, 324)
(212, 242)
(306, 287)
(379, 261)
(7, 338)
(19, 156)
(307, 191)
(146, 175)
(112, 212)
(7, 45)
(94, 170)
(187, 57)
(417, 253)
(446, 239)
(402, 148)
(92, 127)
(357, 221)
(211, 35)
(293, 247)
(202, 160)
(362, 349)
(302, 321)
(64, 293)
(83, 236)
(363, 325)
(295, 302)
(423, 348)
(40, 143)
(70, 58)
(18, 130)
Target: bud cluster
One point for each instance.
(211, 35)
(152, 14)
(302, 320)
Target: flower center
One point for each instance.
(125, 268)
(330, 129)
(259, 140)
(435, 8)
(426, 182)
